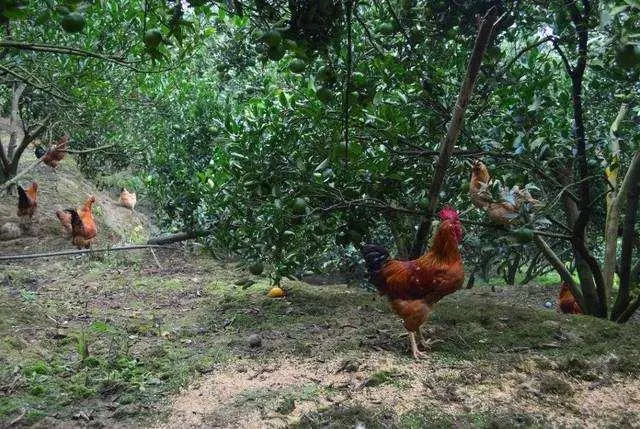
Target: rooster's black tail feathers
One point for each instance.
(374, 258)
(23, 198)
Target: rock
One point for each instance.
(255, 340)
(548, 304)
(10, 231)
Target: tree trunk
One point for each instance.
(623, 299)
(453, 130)
(531, 270)
(398, 238)
(510, 278)
(613, 217)
(14, 118)
(589, 271)
(556, 263)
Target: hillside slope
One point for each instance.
(67, 188)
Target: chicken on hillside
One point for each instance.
(65, 220)
(567, 302)
(414, 286)
(83, 227)
(53, 157)
(479, 186)
(128, 199)
(27, 202)
(504, 212)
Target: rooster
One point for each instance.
(567, 302)
(414, 286)
(128, 199)
(504, 212)
(53, 157)
(83, 227)
(27, 201)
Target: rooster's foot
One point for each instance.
(417, 354)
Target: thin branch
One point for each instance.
(33, 84)
(55, 49)
(79, 252)
(503, 228)
(93, 149)
(8, 183)
(524, 51)
(28, 138)
(368, 34)
(565, 60)
(399, 24)
(18, 176)
(560, 268)
(66, 50)
(566, 190)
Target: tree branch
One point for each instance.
(66, 50)
(18, 89)
(525, 50)
(79, 252)
(613, 214)
(18, 176)
(630, 217)
(560, 268)
(28, 138)
(33, 84)
(453, 131)
(6, 163)
(54, 49)
(565, 60)
(8, 183)
(93, 149)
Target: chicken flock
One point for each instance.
(78, 223)
(413, 287)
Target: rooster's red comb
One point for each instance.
(448, 213)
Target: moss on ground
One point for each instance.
(150, 332)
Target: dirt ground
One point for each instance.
(116, 341)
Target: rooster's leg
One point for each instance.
(417, 354)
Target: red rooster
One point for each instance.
(414, 286)
(83, 227)
(567, 302)
(27, 201)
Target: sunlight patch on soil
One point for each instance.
(230, 397)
